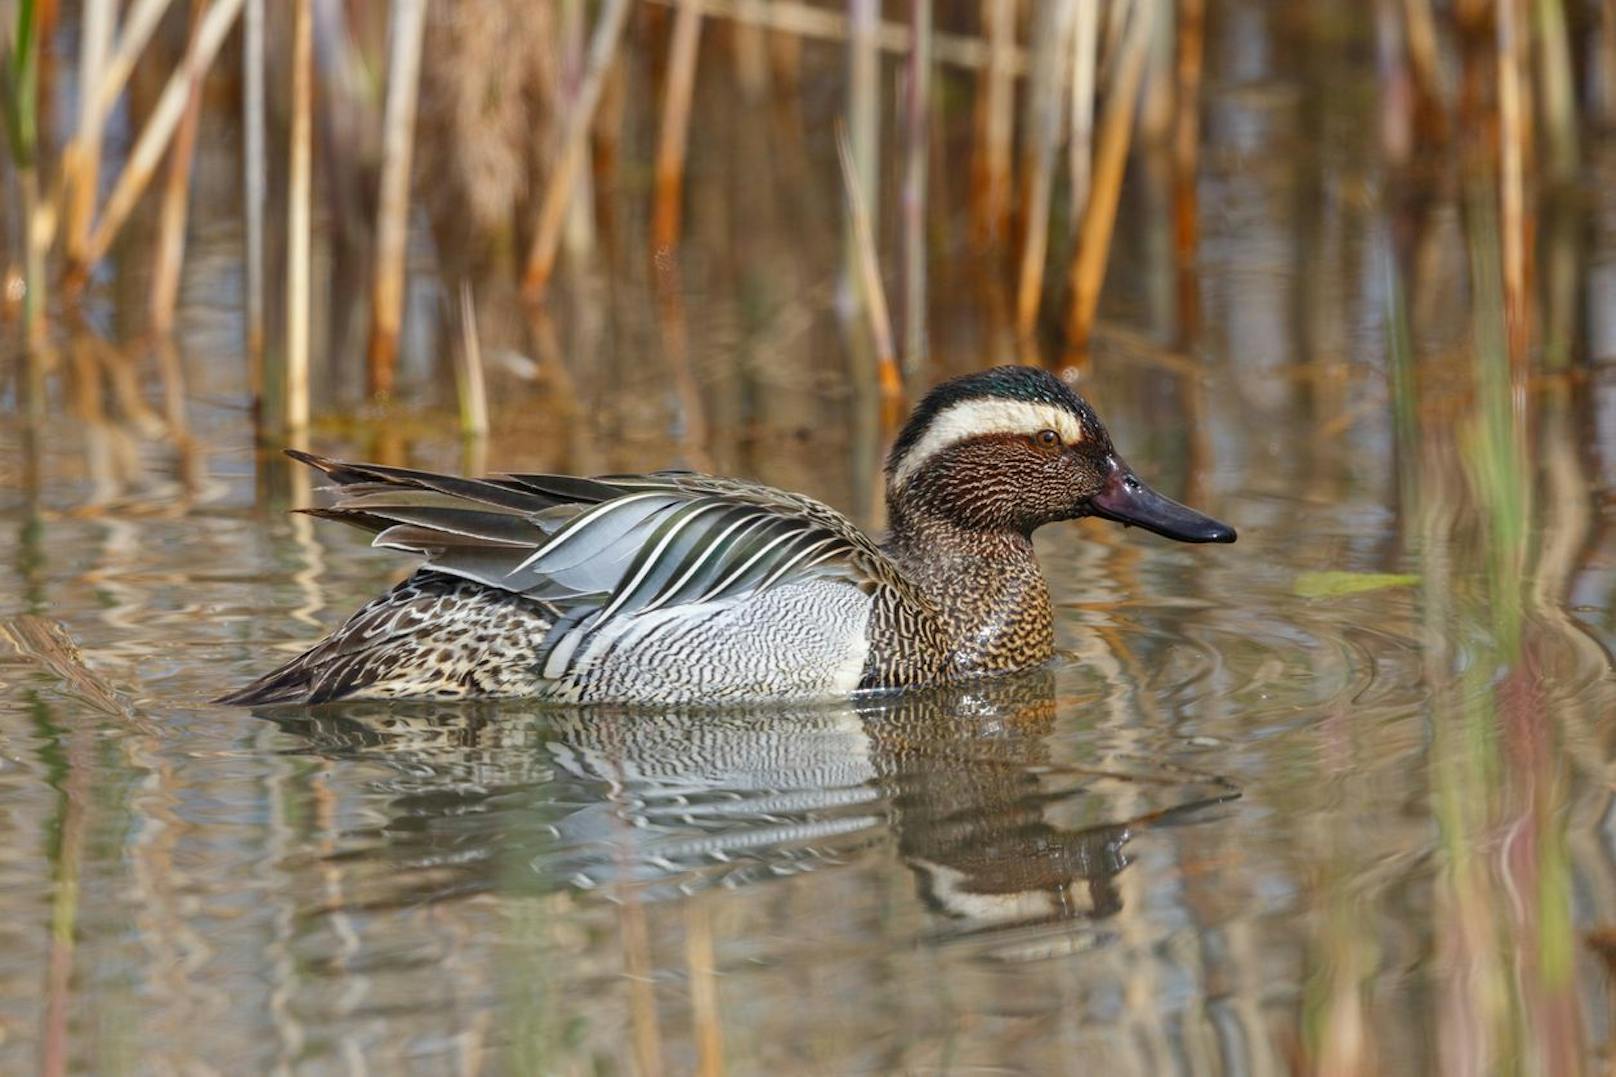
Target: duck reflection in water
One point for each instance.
(996, 829)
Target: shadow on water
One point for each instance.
(652, 805)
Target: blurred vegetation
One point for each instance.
(499, 138)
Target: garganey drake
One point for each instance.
(680, 587)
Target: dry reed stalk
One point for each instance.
(863, 126)
(19, 116)
(254, 182)
(557, 194)
(1099, 217)
(36, 231)
(1154, 123)
(995, 128)
(914, 191)
(469, 381)
(869, 277)
(1513, 138)
(673, 137)
(1555, 71)
(1186, 149)
(81, 158)
(706, 1015)
(298, 221)
(578, 224)
(797, 20)
(407, 23)
(1080, 146)
(1053, 30)
(159, 130)
(1419, 31)
(170, 257)
(138, 26)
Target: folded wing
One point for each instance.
(606, 547)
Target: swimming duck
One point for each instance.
(682, 587)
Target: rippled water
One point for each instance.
(1336, 798)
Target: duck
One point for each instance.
(677, 587)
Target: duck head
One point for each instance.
(1013, 448)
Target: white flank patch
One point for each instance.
(950, 887)
(977, 418)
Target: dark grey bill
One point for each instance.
(1128, 501)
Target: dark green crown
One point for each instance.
(1024, 383)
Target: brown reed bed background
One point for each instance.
(504, 121)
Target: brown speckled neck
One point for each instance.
(985, 585)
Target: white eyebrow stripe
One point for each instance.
(979, 418)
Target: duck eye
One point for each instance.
(1048, 439)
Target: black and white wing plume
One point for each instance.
(602, 548)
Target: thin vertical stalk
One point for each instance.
(138, 26)
(1053, 30)
(34, 232)
(176, 196)
(1554, 69)
(673, 137)
(159, 130)
(1513, 135)
(473, 390)
(1099, 218)
(552, 210)
(19, 83)
(407, 24)
(1080, 148)
(81, 160)
(254, 182)
(1186, 150)
(864, 129)
(995, 130)
(914, 191)
(298, 220)
(869, 275)
(702, 975)
(1419, 30)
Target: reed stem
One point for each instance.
(473, 389)
(81, 159)
(1186, 151)
(1513, 138)
(138, 26)
(159, 130)
(255, 180)
(864, 130)
(1555, 72)
(1099, 217)
(1054, 32)
(170, 258)
(674, 134)
(298, 222)
(553, 208)
(918, 130)
(1080, 148)
(407, 25)
(995, 126)
(869, 276)
(19, 96)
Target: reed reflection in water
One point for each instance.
(1013, 847)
